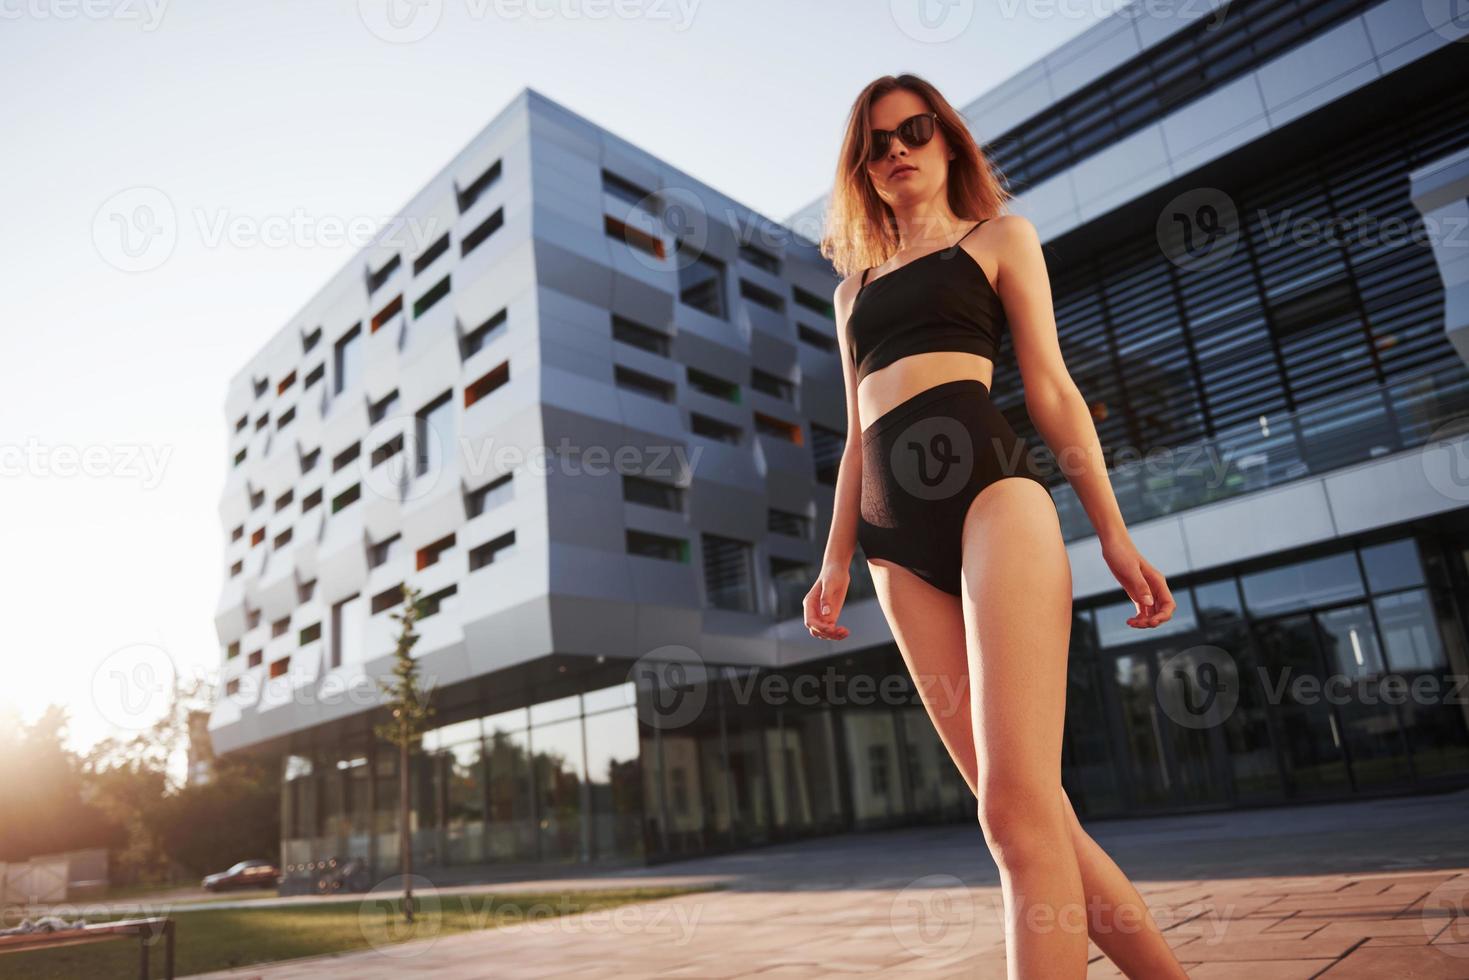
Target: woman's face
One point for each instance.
(907, 174)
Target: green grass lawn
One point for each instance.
(221, 939)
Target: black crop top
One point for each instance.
(940, 301)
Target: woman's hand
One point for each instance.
(824, 602)
(1144, 584)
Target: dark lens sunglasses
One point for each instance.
(913, 131)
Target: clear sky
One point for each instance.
(265, 115)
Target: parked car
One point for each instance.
(246, 874)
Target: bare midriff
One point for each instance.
(890, 386)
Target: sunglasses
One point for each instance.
(913, 131)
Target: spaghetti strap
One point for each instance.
(976, 225)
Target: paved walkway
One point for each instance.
(1374, 889)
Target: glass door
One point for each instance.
(1170, 739)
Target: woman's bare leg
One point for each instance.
(1017, 613)
(928, 627)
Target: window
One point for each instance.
(257, 497)
(387, 599)
(232, 651)
(241, 422)
(474, 341)
(261, 384)
(281, 540)
(430, 554)
(252, 618)
(637, 335)
(384, 551)
(703, 425)
(487, 383)
(380, 409)
(648, 545)
(643, 384)
(762, 296)
(237, 533)
(635, 237)
(387, 450)
(279, 667)
(317, 373)
(426, 302)
(826, 452)
(376, 279)
(792, 580)
(492, 494)
(237, 568)
(625, 190)
(773, 385)
(346, 456)
(729, 579)
(284, 500)
(714, 387)
(701, 282)
(310, 340)
(312, 499)
(760, 258)
(652, 493)
(431, 605)
(470, 194)
(285, 383)
(813, 302)
(309, 634)
(261, 422)
(486, 553)
(435, 432)
(347, 497)
(309, 461)
(239, 457)
(287, 417)
(769, 425)
(254, 659)
(789, 524)
(232, 686)
(257, 536)
(279, 627)
(305, 591)
(346, 628)
(347, 365)
(812, 337)
(394, 307)
(432, 252)
(486, 228)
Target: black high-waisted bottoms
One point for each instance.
(923, 462)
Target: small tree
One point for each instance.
(409, 708)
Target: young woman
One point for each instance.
(952, 511)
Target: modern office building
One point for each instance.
(592, 410)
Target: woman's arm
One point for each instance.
(1061, 415)
(824, 602)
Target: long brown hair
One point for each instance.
(860, 229)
